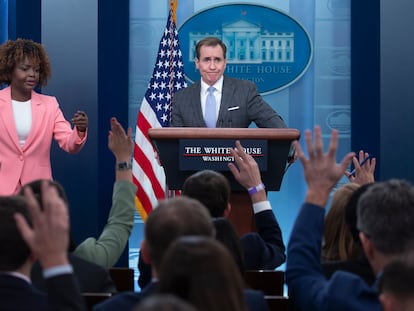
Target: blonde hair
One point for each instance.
(338, 241)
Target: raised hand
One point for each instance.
(320, 169)
(246, 171)
(363, 174)
(119, 142)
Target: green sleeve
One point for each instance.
(107, 249)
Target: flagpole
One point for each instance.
(173, 10)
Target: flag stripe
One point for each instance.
(144, 151)
(147, 167)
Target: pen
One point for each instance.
(361, 164)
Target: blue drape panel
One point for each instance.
(3, 20)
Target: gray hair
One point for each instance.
(386, 216)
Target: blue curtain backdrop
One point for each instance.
(3, 20)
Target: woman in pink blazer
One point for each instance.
(29, 120)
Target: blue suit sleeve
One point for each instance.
(308, 287)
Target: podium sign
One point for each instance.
(200, 154)
(184, 151)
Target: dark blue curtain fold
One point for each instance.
(4, 20)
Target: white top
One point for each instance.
(217, 94)
(22, 113)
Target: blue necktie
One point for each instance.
(210, 109)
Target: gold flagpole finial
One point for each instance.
(173, 9)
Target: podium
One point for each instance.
(185, 150)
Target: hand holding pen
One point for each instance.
(363, 173)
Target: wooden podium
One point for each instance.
(182, 152)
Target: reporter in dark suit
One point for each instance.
(263, 249)
(173, 218)
(15, 287)
(238, 102)
(92, 278)
(42, 235)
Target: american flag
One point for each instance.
(167, 78)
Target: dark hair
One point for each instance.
(14, 251)
(211, 188)
(164, 302)
(13, 52)
(397, 277)
(201, 271)
(36, 186)
(210, 41)
(386, 216)
(226, 234)
(171, 219)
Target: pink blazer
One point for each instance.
(20, 165)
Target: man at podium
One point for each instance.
(218, 100)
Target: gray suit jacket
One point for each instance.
(241, 104)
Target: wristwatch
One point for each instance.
(123, 166)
